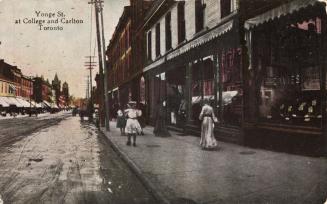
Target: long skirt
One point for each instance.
(132, 126)
(121, 122)
(208, 140)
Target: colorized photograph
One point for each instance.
(163, 101)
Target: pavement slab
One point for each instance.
(181, 172)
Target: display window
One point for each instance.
(202, 86)
(288, 74)
(232, 94)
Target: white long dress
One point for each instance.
(208, 140)
(132, 125)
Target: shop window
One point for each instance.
(202, 86)
(168, 30)
(199, 15)
(289, 79)
(149, 40)
(158, 40)
(225, 6)
(231, 104)
(181, 21)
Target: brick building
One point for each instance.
(125, 54)
(26, 87)
(42, 90)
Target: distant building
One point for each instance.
(65, 92)
(26, 87)
(56, 85)
(11, 78)
(41, 90)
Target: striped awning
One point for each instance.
(216, 32)
(47, 104)
(280, 11)
(3, 102)
(11, 101)
(23, 102)
(194, 43)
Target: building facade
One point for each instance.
(10, 79)
(124, 54)
(26, 87)
(193, 53)
(42, 90)
(261, 64)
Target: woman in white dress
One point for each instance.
(133, 127)
(208, 118)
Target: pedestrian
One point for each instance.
(132, 125)
(97, 118)
(208, 119)
(141, 119)
(121, 121)
(160, 129)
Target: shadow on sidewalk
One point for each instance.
(287, 143)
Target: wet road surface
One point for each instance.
(67, 162)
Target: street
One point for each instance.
(59, 159)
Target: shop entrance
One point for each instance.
(176, 101)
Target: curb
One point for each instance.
(148, 184)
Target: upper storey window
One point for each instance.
(181, 21)
(199, 15)
(225, 6)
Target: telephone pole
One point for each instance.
(104, 105)
(105, 72)
(87, 88)
(90, 66)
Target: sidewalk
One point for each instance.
(178, 171)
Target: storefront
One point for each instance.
(285, 81)
(207, 67)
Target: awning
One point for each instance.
(227, 97)
(216, 32)
(205, 38)
(19, 104)
(23, 102)
(38, 105)
(12, 101)
(53, 105)
(3, 103)
(47, 104)
(283, 10)
(197, 99)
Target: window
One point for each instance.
(288, 75)
(181, 21)
(199, 15)
(158, 39)
(168, 31)
(149, 39)
(225, 6)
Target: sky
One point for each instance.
(47, 52)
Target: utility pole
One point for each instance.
(87, 92)
(105, 72)
(31, 83)
(90, 66)
(104, 105)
